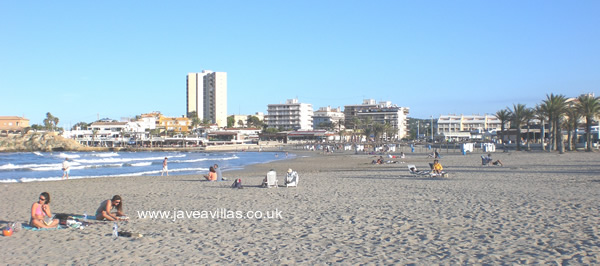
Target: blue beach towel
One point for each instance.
(32, 228)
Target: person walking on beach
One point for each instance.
(66, 168)
(165, 168)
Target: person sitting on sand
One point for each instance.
(212, 174)
(489, 159)
(219, 173)
(41, 216)
(437, 168)
(104, 211)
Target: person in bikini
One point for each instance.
(40, 213)
(212, 174)
(104, 211)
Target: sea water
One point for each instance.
(46, 166)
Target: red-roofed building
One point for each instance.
(13, 123)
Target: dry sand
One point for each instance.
(538, 208)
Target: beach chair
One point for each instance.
(485, 160)
(412, 169)
(271, 179)
(291, 179)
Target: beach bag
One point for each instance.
(237, 184)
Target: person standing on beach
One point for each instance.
(66, 168)
(165, 167)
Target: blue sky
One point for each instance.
(84, 59)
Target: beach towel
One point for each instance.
(26, 226)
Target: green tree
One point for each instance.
(253, 121)
(230, 121)
(271, 130)
(195, 121)
(82, 125)
(342, 133)
(588, 107)
(504, 116)
(378, 131)
(528, 116)
(555, 105)
(50, 122)
(517, 115)
(573, 116)
(542, 114)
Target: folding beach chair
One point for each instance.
(485, 160)
(271, 179)
(291, 179)
(412, 169)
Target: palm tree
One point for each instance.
(388, 129)
(555, 106)
(504, 116)
(517, 115)
(541, 114)
(342, 133)
(378, 130)
(355, 126)
(529, 115)
(589, 107)
(573, 116)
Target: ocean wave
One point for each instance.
(31, 167)
(105, 154)
(141, 164)
(100, 166)
(70, 156)
(121, 159)
(205, 159)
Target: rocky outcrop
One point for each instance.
(37, 141)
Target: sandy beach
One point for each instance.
(537, 208)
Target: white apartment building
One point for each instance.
(460, 123)
(328, 115)
(382, 112)
(290, 115)
(206, 94)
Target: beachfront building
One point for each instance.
(174, 124)
(206, 94)
(327, 117)
(458, 123)
(383, 112)
(351, 111)
(460, 127)
(10, 124)
(290, 115)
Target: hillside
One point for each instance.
(38, 141)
